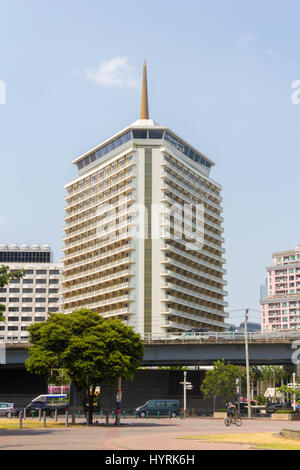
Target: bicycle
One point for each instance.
(232, 420)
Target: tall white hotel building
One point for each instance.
(153, 283)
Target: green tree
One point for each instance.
(93, 351)
(220, 381)
(5, 277)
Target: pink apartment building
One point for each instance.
(280, 309)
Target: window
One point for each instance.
(29, 271)
(53, 281)
(14, 299)
(41, 291)
(160, 403)
(41, 281)
(42, 271)
(40, 310)
(27, 309)
(27, 281)
(13, 309)
(12, 328)
(40, 300)
(26, 319)
(27, 300)
(54, 272)
(156, 134)
(172, 403)
(39, 319)
(13, 318)
(14, 291)
(139, 134)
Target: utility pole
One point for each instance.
(294, 396)
(118, 401)
(247, 366)
(184, 393)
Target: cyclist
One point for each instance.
(231, 411)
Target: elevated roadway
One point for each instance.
(199, 350)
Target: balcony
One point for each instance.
(96, 195)
(97, 293)
(182, 174)
(196, 295)
(98, 269)
(83, 186)
(97, 281)
(190, 280)
(195, 318)
(194, 305)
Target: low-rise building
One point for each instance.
(30, 299)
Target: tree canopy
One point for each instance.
(91, 349)
(5, 277)
(220, 381)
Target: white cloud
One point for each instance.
(115, 72)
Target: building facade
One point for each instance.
(30, 299)
(280, 309)
(125, 253)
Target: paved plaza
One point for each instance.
(154, 434)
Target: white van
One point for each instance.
(5, 408)
(49, 403)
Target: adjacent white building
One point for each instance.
(30, 299)
(128, 253)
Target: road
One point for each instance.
(154, 434)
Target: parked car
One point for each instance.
(164, 407)
(255, 410)
(5, 408)
(199, 330)
(191, 335)
(272, 407)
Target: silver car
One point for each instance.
(6, 407)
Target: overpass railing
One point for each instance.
(201, 337)
(221, 337)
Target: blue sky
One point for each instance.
(220, 75)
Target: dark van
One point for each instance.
(163, 407)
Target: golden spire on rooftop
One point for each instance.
(145, 105)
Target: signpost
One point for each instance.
(186, 386)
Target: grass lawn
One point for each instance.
(259, 440)
(29, 424)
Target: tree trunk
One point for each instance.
(81, 393)
(91, 398)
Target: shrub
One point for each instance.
(285, 412)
